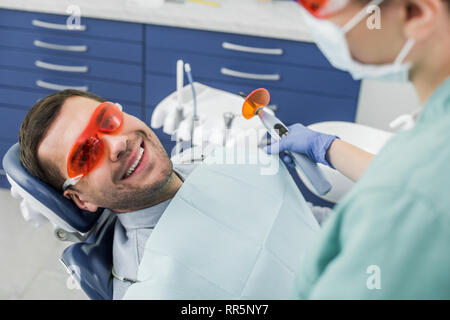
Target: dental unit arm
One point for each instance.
(195, 119)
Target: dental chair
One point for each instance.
(89, 259)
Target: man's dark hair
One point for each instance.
(34, 128)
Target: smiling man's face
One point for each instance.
(110, 184)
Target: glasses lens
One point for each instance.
(110, 118)
(313, 6)
(258, 98)
(85, 157)
(88, 151)
(322, 8)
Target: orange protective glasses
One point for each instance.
(88, 151)
(322, 8)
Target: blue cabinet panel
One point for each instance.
(74, 46)
(94, 27)
(304, 79)
(132, 109)
(10, 122)
(18, 97)
(106, 89)
(211, 43)
(157, 87)
(100, 69)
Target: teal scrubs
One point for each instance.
(389, 238)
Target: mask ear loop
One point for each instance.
(405, 51)
(359, 16)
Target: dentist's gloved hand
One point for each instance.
(303, 140)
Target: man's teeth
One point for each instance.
(130, 171)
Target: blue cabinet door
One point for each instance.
(258, 74)
(56, 24)
(72, 46)
(44, 80)
(76, 66)
(10, 123)
(242, 47)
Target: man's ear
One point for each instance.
(80, 201)
(421, 17)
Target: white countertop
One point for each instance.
(280, 20)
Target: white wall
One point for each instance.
(381, 102)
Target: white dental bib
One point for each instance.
(229, 233)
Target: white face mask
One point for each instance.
(332, 42)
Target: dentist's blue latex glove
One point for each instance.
(303, 140)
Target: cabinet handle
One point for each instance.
(58, 87)
(238, 47)
(58, 67)
(52, 46)
(55, 26)
(245, 75)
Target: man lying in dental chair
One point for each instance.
(217, 254)
(134, 178)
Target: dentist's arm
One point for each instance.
(348, 159)
(323, 148)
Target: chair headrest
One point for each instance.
(49, 197)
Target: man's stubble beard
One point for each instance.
(132, 198)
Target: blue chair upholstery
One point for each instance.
(80, 220)
(90, 262)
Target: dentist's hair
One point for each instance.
(34, 128)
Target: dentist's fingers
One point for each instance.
(278, 146)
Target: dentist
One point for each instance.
(390, 236)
